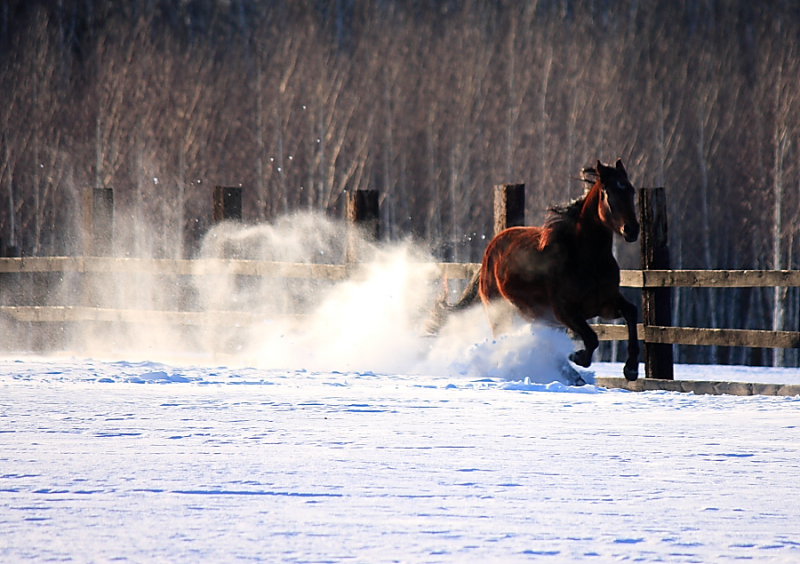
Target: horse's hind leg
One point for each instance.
(628, 311)
(498, 309)
(501, 316)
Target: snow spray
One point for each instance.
(373, 319)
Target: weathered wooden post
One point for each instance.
(363, 220)
(509, 206)
(102, 221)
(227, 203)
(98, 224)
(656, 302)
(228, 207)
(9, 250)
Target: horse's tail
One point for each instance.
(442, 310)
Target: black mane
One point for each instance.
(567, 213)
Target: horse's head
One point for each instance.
(616, 207)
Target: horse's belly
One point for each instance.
(590, 295)
(595, 300)
(532, 296)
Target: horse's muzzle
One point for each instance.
(630, 231)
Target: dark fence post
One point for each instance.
(227, 203)
(656, 302)
(509, 206)
(98, 223)
(102, 221)
(363, 218)
(9, 250)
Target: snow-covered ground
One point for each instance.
(141, 461)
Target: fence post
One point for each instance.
(509, 206)
(9, 250)
(363, 219)
(98, 224)
(227, 203)
(656, 302)
(102, 221)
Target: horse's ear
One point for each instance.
(603, 170)
(620, 167)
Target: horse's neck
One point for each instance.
(594, 234)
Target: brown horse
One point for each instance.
(564, 271)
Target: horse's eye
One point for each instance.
(624, 187)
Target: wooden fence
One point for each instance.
(655, 279)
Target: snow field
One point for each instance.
(152, 462)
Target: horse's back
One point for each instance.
(529, 238)
(513, 256)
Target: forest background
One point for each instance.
(430, 102)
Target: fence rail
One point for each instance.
(710, 278)
(703, 336)
(454, 271)
(177, 267)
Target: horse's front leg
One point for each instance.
(580, 327)
(629, 313)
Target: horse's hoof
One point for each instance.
(581, 358)
(631, 374)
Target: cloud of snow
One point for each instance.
(532, 353)
(371, 317)
(371, 321)
(374, 319)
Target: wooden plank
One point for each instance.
(268, 269)
(96, 264)
(201, 267)
(131, 266)
(721, 278)
(609, 332)
(631, 278)
(701, 387)
(723, 337)
(457, 271)
(702, 336)
(42, 264)
(710, 278)
(175, 267)
(70, 314)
